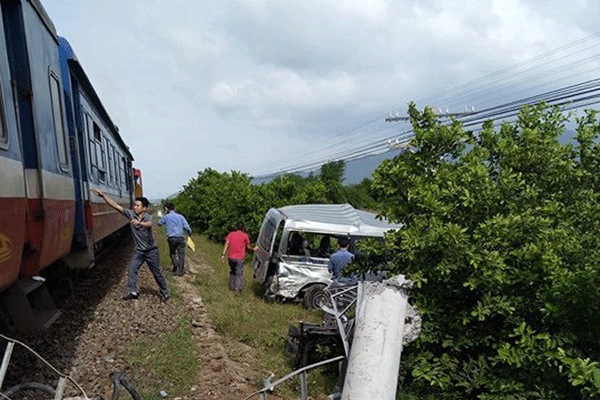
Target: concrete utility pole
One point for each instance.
(374, 360)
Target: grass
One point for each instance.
(249, 319)
(171, 363)
(168, 364)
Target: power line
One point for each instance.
(373, 136)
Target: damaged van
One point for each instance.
(295, 242)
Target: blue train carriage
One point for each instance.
(13, 203)
(100, 159)
(42, 194)
(34, 71)
(56, 143)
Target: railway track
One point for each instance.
(79, 297)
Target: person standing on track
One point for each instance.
(175, 226)
(145, 245)
(237, 242)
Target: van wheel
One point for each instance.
(314, 296)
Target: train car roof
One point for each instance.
(335, 218)
(39, 8)
(83, 79)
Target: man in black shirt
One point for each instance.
(145, 245)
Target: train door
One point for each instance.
(34, 64)
(82, 250)
(13, 204)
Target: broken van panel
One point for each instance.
(295, 243)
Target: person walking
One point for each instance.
(176, 224)
(339, 259)
(236, 242)
(145, 245)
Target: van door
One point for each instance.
(302, 263)
(266, 245)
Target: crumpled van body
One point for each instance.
(295, 243)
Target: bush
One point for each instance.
(214, 202)
(502, 238)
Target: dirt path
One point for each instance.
(104, 341)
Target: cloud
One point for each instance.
(248, 84)
(285, 88)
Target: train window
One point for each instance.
(61, 140)
(97, 135)
(100, 154)
(110, 163)
(3, 131)
(126, 176)
(92, 148)
(122, 173)
(115, 166)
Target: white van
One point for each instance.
(295, 243)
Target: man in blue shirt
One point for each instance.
(176, 224)
(340, 258)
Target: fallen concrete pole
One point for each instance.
(374, 360)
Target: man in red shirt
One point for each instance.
(237, 242)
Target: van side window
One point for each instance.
(278, 236)
(295, 243)
(59, 131)
(324, 249)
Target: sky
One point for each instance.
(258, 86)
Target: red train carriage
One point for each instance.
(36, 138)
(56, 143)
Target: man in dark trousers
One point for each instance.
(145, 245)
(237, 242)
(175, 225)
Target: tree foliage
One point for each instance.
(332, 176)
(502, 238)
(214, 202)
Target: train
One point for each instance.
(57, 143)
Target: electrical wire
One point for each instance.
(373, 136)
(47, 363)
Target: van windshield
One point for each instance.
(267, 234)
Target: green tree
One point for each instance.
(214, 202)
(502, 238)
(359, 196)
(293, 189)
(332, 176)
